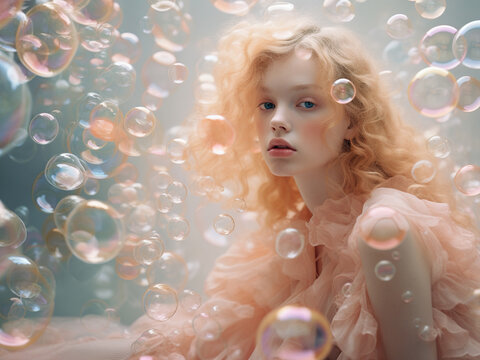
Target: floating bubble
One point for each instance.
(160, 302)
(126, 173)
(65, 172)
(47, 42)
(339, 10)
(343, 91)
(466, 43)
(56, 245)
(170, 269)
(294, 332)
(139, 122)
(150, 101)
(278, 10)
(385, 270)
(438, 146)
(94, 232)
(126, 48)
(206, 92)
(236, 7)
(176, 150)
(9, 31)
(155, 74)
(23, 213)
(206, 64)
(423, 171)
(190, 300)
(399, 26)
(148, 250)
(396, 255)
(171, 28)
(94, 12)
(146, 340)
(467, 180)
(15, 104)
(289, 243)
(469, 99)
(91, 186)
(430, 9)
(164, 203)
(12, 229)
(117, 81)
(84, 107)
(8, 9)
(126, 267)
(217, 132)
(389, 226)
(105, 119)
(146, 25)
(224, 224)
(347, 289)
(44, 195)
(433, 92)
(64, 208)
(178, 228)
(43, 128)
(427, 333)
(436, 47)
(178, 73)
(407, 297)
(177, 191)
(142, 219)
(90, 38)
(206, 327)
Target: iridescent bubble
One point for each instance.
(178, 73)
(436, 47)
(467, 180)
(469, 99)
(407, 297)
(105, 119)
(236, 7)
(15, 104)
(65, 172)
(206, 64)
(94, 232)
(89, 38)
(206, 327)
(43, 128)
(438, 146)
(64, 208)
(423, 171)
(44, 195)
(139, 122)
(217, 132)
(178, 228)
(430, 9)
(8, 9)
(85, 105)
(177, 191)
(433, 92)
(294, 332)
(466, 44)
(339, 10)
(116, 17)
(55, 243)
(176, 150)
(385, 270)
(399, 26)
(289, 243)
(142, 219)
(9, 31)
(47, 42)
(427, 333)
(203, 185)
(190, 300)
(160, 302)
(155, 74)
(148, 250)
(224, 224)
(117, 81)
(22, 277)
(164, 203)
(12, 229)
(126, 267)
(347, 289)
(146, 25)
(161, 180)
(278, 10)
(94, 12)
(382, 228)
(170, 269)
(91, 187)
(343, 91)
(126, 48)
(23, 213)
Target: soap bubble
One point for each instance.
(56, 245)
(23, 213)
(399, 26)
(289, 243)
(9, 31)
(64, 208)
(126, 48)
(217, 132)
(12, 229)
(407, 297)
(94, 232)
(438, 146)
(343, 91)
(236, 7)
(155, 74)
(117, 81)
(44, 195)
(427, 333)
(190, 300)
(339, 10)
(423, 171)
(142, 219)
(294, 332)
(466, 43)
(224, 224)
(148, 250)
(385, 270)
(170, 269)
(469, 99)
(105, 120)
(206, 327)
(178, 228)
(65, 172)
(91, 186)
(388, 221)
(139, 122)
(436, 47)
(94, 12)
(177, 191)
(126, 267)
(47, 42)
(160, 302)
(430, 9)
(467, 180)
(43, 128)
(176, 150)
(178, 73)
(171, 28)
(433, 92)
(146, 340)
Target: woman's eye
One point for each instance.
(307, 104)
(267, 106)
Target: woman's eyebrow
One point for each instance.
(294, 87)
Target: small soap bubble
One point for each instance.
(126, 267)
(343, 91)
(206, 327)
(146, 25)
(43, 128)
(399, 26)
(339, 10)
(289, 243)
(218, 133)
(423, 171)
(396, 255)
(139, 122)
(148, 250)
(347, 289)
(190, 300)
(236, 7)
(438, 146)
(416, 322)
(64, 208)
(407, 297)
(385, 270)
(239, 205)
(91, 186)
(427, 333)
(224, 224)
(178, 228)
(155, 74)
(146, 340)
(294, 332)
(126, 48)
(12, 229)
(164, 203)
(171, 26)
(105, 119)
(170, 269)
(177, 191)
(142, 219)
(430, 9)
(176, 150)
(178, 73)
(466, 43)
(467, 180)
(469, 99)
(23, 213)
(65, 172)
(160, 302)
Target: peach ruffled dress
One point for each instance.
(251, 279)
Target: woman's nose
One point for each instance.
(279, 121)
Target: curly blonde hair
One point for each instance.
(384, 145)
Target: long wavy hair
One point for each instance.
(384, 145)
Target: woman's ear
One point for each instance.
(351, 131)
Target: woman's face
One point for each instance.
(300, 128)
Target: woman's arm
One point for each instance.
(405, 319)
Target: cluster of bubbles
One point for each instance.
(82, 72)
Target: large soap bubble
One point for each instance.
(466, 44)
(12, 228)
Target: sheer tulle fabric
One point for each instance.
(250, 280)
